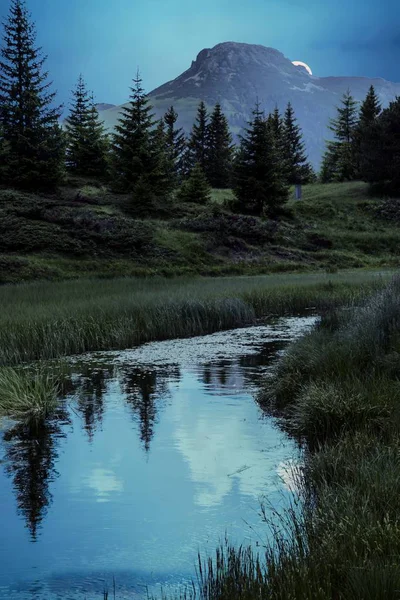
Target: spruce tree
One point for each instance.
(329, 162)
(370, 109)
(87, 142)
(365, 131)
(342, 154)
(297, 168)
(196, 188)
(220, 150)
(382, 150)
(175, 143)
(133, 154)
(198, 141)
(276, 124)
(163, 174)
(30, 122)
(260, 186)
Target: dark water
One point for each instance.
(155, 454)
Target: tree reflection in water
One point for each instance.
(30, 457)
(90, 391)
(144, 389)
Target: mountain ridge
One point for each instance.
(238, 74)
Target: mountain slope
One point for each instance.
(238, 74)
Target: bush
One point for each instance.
(195, 189)
(251, 229)
(27, 395)
(48, 227)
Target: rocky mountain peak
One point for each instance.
(238, 75)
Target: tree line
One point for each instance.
(153, 160)
(366, 144)
(149, 159)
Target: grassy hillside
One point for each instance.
(84, 230)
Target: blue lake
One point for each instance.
(155, 454)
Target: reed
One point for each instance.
(338, 391)
(27, 394)
(43, 321)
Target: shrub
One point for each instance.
(248, 228)
(195, 189)
(26, 394)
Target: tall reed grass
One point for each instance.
(27, 394)
(44, 321)
(338, 390)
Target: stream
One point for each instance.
(156, 453)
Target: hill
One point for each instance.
(84, 230)
(237, 74)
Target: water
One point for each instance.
(156, 453)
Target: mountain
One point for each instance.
(238, 74)
(102, 106)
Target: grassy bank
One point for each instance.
(338, 391)
(48, 320)
(84, 231)
(28, 395)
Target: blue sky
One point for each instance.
(107, 40)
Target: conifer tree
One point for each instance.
(133, 142)
(163, 174)
(198, 140)
(175, 143)
(276, 124)
(382, 150)
(370, 109)
(342, 153)
(298, 169)
(340, 159)
(220, 150)
(196, 188)
(35, 143)
(327, 172)
(87, 142)
(365, 132)
(260, 186)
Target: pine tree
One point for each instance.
(370, 109)
(382, 150)
(220, 150)
(176, 143)
(342, 154)
(198, 141)
(260, 187)
(366, 131)
(327, 172)
(133, 148)
(163, 174)
(87, 143)
(297, 168)
(34, 139)
(276, 124)
(99, 142)
(195, 188)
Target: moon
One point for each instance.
(299, 63)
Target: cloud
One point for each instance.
(104, 483)
(227, 452)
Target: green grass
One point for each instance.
(84, 229)
(44, 321)
(27, 394)
(220, 196)
(338, 391)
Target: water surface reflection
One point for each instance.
(156, 453)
